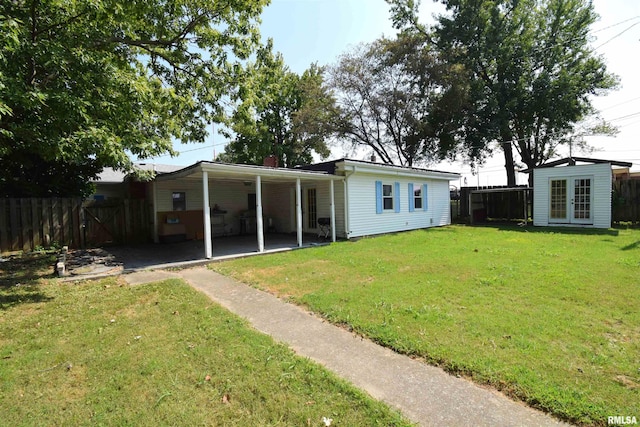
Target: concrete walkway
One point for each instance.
(424, 394)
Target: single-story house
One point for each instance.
(344, 198)
(578, 193)
(114, 184)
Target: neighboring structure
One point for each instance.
(358, 198)
(114, 184)
(574, 194)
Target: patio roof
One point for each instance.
(235, 172)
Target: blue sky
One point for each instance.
(307, 31)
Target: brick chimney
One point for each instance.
(270, 161)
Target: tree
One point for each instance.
(532, 71)
(389, 92)
(279, 113)
(84, 85)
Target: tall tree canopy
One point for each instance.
(532, 72)
(390, 94)
(84, 84)
(279, 113)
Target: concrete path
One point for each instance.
(424, 394)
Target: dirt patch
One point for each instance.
(91, 262)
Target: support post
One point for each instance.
(208, 250)
(346, 208)
(259, 221)
(299, 212)
(333, 211)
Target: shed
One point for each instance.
(574, 191)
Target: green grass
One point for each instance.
(549, 316)
(105, 353)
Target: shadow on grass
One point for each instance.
(22, 294)
(634, 245)
(19, 278)
(556, 230)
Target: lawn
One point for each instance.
(548, 316)
(105, 353)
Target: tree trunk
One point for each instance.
(508, 163)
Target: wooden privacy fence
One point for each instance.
(625, 203)
(26, 224)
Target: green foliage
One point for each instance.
(532, 73)
(87, 84)
(104, 353)
(390, 93)
(548, 316)
(279, 113)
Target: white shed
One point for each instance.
(577, 195)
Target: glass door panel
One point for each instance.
(558, 200)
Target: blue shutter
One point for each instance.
(412, 205)
(396, 197)
(424, 198)
(378, 197)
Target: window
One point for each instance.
(417, 196)
(387, 197)
(179, 201)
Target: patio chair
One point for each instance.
(324, 227)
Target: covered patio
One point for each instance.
(219, 204)
(149, 256)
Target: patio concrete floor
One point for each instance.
(189, 253)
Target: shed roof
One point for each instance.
(572, 161)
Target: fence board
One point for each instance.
(76, 207)
(36, 225)
(24, 222)
(45, 214)
(55, 220)
(626, 201)
(4, 226)
(14, 224)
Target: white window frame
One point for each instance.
(390, 197)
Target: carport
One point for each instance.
(210, 199)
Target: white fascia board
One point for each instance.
(230, 170)
(388, 170)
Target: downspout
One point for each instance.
(347, 225)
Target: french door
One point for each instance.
(571, 200)
(310, 210)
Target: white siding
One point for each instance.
(363, 219)
(601, 203)
(191, 188)
(277, 206)
(323, 195)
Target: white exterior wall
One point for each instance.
(601, 202)
(363, 219)
(191, 188)
(276, 200)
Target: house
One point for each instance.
(574, 191)
(349, 198)
(114, 184)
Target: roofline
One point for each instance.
(571, 161)
(247, 170)
(386, 169)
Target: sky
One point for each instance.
(308, 31)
